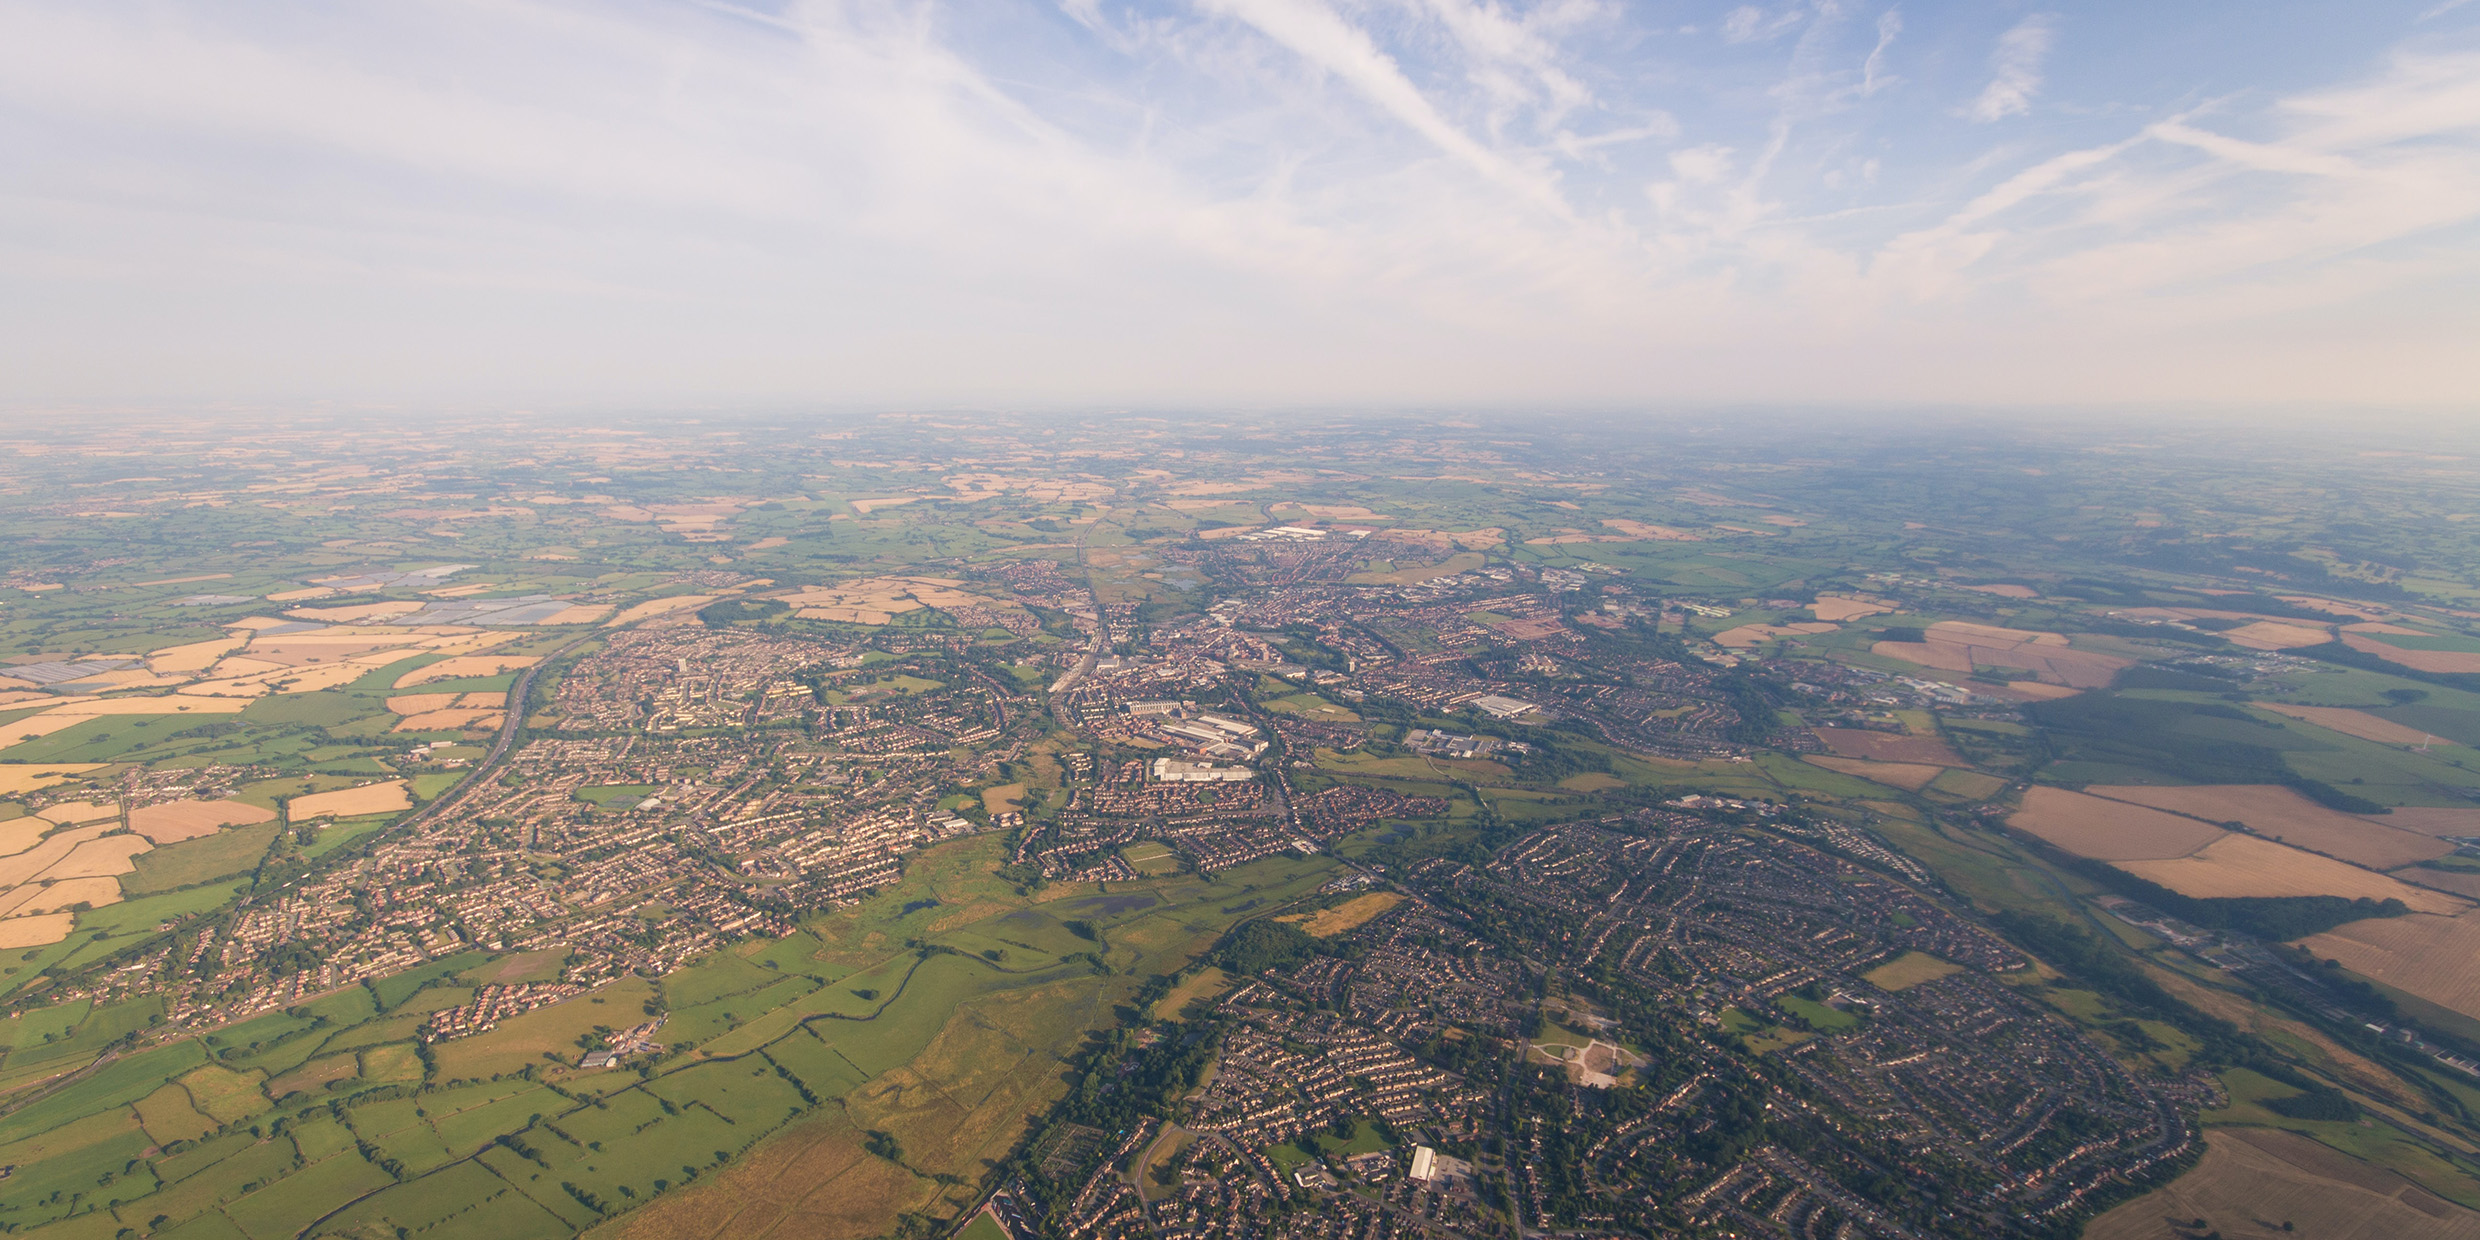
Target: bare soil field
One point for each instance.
(1909, 776)
(351, 802)
(2350, 722)
(2106, 830)
(1957, 646)
(1748, 635)
(2276, 811)
(188, 820)
(1829, 607)
(2436, 958)
(2252, 1181)
(2243, 865)
(1888, 746)
(2446, 661)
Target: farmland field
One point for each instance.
(2260, 1179)
(2104, 830)
(830, 831)
(2281, 814)
(1891, 747)
(2242, 865)
(1910, 777)
(2436, 958)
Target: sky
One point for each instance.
(1231, 203)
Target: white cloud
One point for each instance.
(1322, 37)
(1749, 24)
(1324, 200)
(2016, 69)
(1873, 77)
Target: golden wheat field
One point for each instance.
(2251, 1181)
(2436, 958)
(186, 820)
(2106, 830)
(2243, 865)
(2285, 816)
(349, 802)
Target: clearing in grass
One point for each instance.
(1206, 983)
(1908, 970)
(1349, 915)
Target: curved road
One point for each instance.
(519, 696)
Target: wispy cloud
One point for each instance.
(2015, 67)
(1329, 200)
